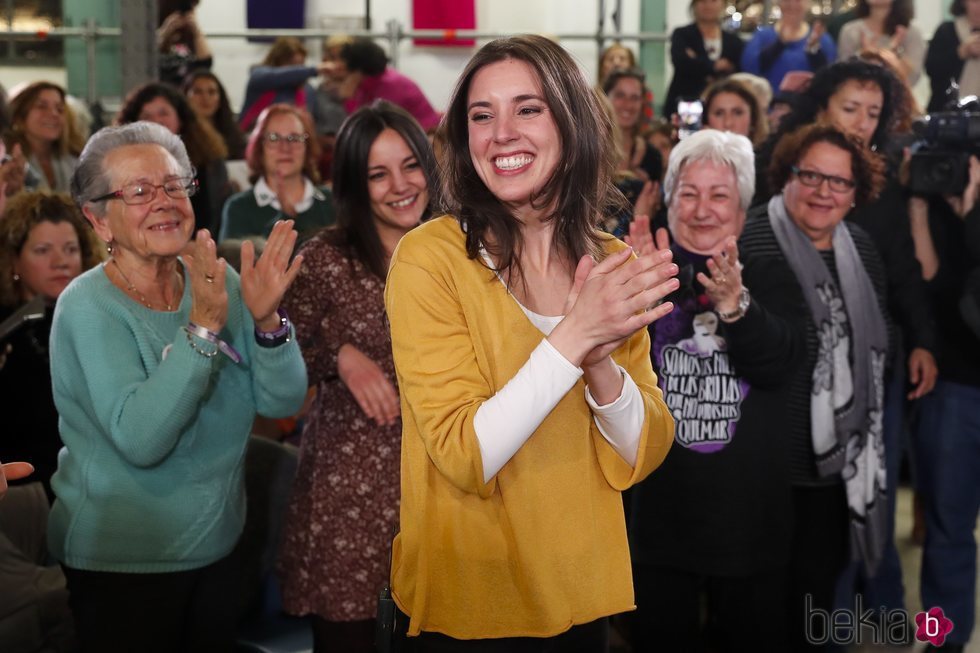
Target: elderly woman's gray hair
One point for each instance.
(91, 179)
(716, 146)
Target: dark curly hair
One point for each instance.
(867, 169)
(816, 96)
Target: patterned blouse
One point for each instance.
(344, 507)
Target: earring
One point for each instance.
(108, 247)
(16, 277)
(853, 204)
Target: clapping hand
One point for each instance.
(641, 239)
(209, 296)
(264, 281)
(612, 300)
(724, 285)
(646, 202)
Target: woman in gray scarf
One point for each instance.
(834, 400)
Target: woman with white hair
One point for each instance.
(164, 358)
(714, 518)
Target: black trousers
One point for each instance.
(193, 611)
(821, 546)
(592, 637)
(678, 610)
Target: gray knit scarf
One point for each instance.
(848, 379)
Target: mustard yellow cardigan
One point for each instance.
(541, 546)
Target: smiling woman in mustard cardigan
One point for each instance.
(528, 399)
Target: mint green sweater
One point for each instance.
(151, 475)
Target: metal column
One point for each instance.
(138, 42)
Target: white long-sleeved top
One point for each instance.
(505, 421)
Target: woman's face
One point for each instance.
(854, 108)
(396, 183)
(45, 121)
(972, 12)
(627, 102)
(160, 111)
(705, 208)
(708, 10)
(160, 228)
(817, 210)
(729, 112)
(514, 141)
(204, 97)
(50, 258)
(794, 11)
(283, 159)
(615, 57)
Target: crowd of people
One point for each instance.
(515, 423)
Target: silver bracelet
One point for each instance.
(207, 334)
(743, 306)
(206, 354)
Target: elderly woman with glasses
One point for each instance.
(282, 156)
(163, 361)
(798, 250)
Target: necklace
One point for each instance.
(132, 288)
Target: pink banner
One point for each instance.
(447, 15)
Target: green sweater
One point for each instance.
(243, 217)
(151, 475)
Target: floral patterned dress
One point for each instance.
(344, 507)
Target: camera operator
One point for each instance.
(946, 231)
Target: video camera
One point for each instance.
(941, 156)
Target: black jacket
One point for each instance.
(943, 65)
(693, 74)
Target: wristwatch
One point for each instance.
(743, 306)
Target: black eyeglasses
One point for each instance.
(813, 179)
(142, 192)
(289, 139)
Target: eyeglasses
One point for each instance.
(289, 139)
(141, 192)
(813, 179)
